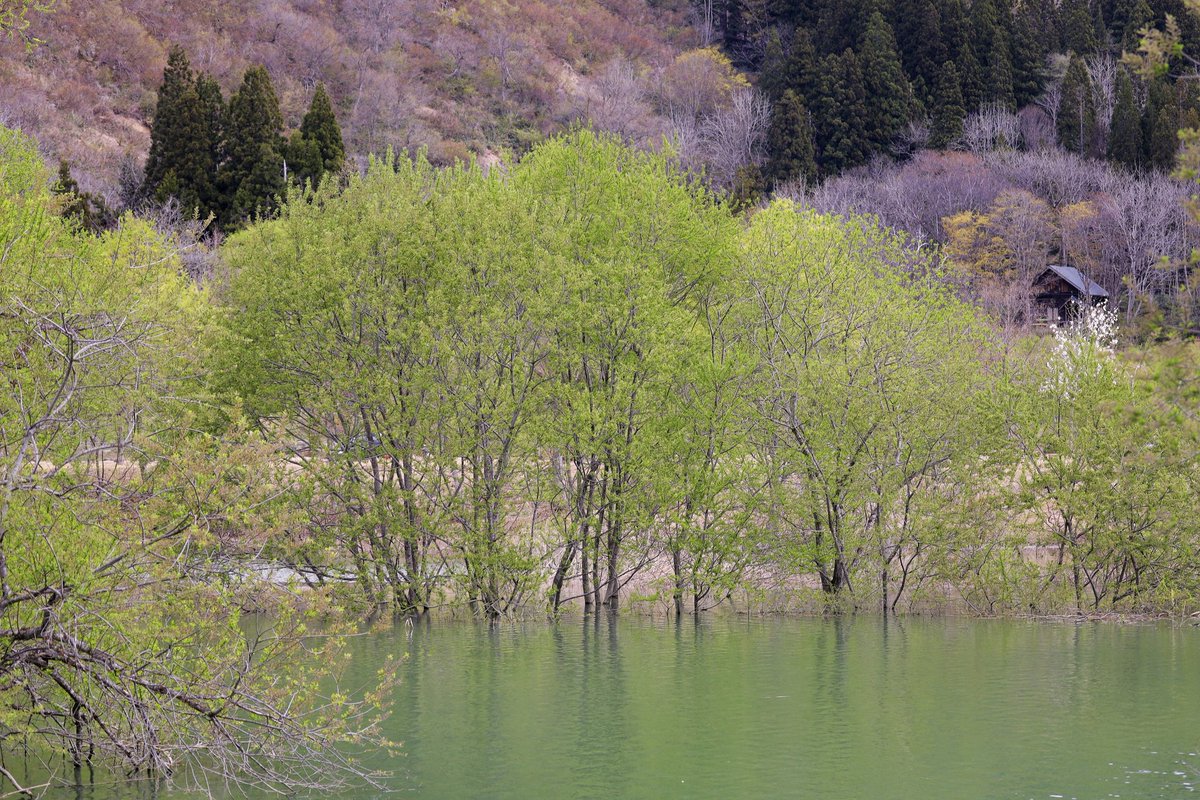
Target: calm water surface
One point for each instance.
(806, 708)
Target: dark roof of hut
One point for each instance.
(1080, 281)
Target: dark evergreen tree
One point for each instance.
(733, 27)
(253, 171)
(304, 164)
(185, 139)
(1076, 112)
(255, 196)
(1139, 16)
(1079, 27)
(88, 210)
(1125, 135)
(773, 74)
(793, 13)
(958, 36)
(1028, 58)
(167, 142)
(840, 114)
(792, 154)
(947, 111)
(1000, 74)
(917, 26)
(889, 95)
(1160, 125)
(320, 125)
(842, 24)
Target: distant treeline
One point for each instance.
(850, 80)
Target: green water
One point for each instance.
(805, 708)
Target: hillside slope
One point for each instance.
(458, 77)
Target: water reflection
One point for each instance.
(715, 707)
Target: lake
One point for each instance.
(728, 707)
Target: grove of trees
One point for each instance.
(583, 379)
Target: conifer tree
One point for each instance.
(1139, 16)
(253, 172)
(889, 95)
(88, 210)
(256, 194)
(320, 126)
(1125, 135)
(838, 116)
(185, 139)
(790, 142)
(772, 75)
(958, 36)
(1028, 58)
(842, 24)
(1160, 125)
(1079, 28)
(167, 145)
(1076, 112)
(948, 112)
(917, 26)
(1000, 74)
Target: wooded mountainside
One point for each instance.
(461, 78)
(815, 87)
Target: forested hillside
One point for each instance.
(852, 80)
(458, 78)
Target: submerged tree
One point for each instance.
(121, 636)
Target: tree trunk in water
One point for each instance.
(560, 575)
(677, 566)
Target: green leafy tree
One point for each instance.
(115, 655)
(850, 357)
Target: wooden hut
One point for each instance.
(1058, 290)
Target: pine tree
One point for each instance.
(320, 125)
(1139, 16)
(1160, 125)
(792, 155)
(917, 25)
(89, 211)
(839, 112)
(1079, 28)
(948, 111)
(1028, 58)
(185, 139)
(889, 95)
(253, 171)
(256, 194)
(1125, 135)
(1076, 112)
(1000, 74)
(166, 142)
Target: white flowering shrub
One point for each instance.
(1083, 352)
